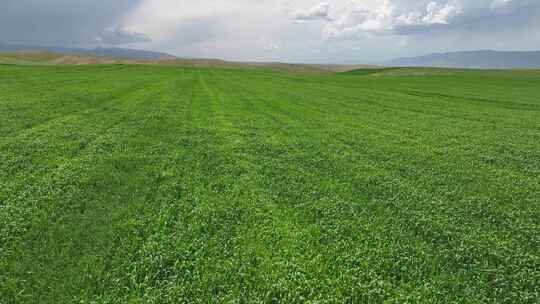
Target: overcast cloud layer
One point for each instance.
(339, 31)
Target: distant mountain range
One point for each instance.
(484, 59)
(100, 52)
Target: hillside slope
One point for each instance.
(33, 57)
(121, 53)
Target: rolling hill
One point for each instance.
(100, 52)
(113, 56)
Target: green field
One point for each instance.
(148, 184)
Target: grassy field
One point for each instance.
(143, 184)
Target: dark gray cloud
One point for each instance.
(66, 22)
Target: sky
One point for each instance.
(337, 31)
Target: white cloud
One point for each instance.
(388, 18)
(319, 12)
(361, 20)
(435, 13)
(272, 47)
(122, 35)
(499, 3)
(440, 14)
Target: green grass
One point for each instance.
(365, 72)
(141, 184)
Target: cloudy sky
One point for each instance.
(337, 31)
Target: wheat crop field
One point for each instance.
(162, 184)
